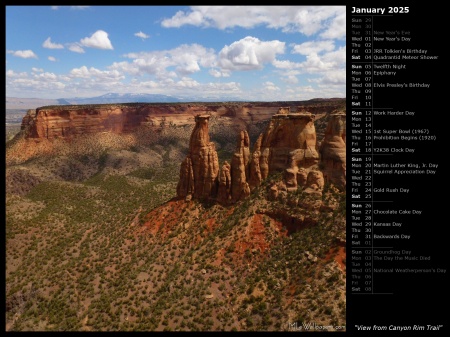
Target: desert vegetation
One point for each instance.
(96, 241)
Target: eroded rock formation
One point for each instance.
(255, 178)
(288, 146)
(224, 190)
(185, 185)
(333, 151)
(240, 168)
(200, 169)
(233, 185)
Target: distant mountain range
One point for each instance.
(120, 98)
(32, 103)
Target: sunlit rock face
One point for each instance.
(287, 145)
(333, 151)
(199, 172)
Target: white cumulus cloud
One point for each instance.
(12, 73)
(51, 58)
(97, 40)
(185, 59)
(285, 64)
(249, 53)
(50, 45)
(336, 29)
(290, 79)
(334, 77)
(141, 35)
(314, 63)
(187, 82)
(25, 54)
(329, 20)
(216, 73)
(181, 18)
(310, 47)
(85, 72)
(270, 86)
(46, 76)
(338, 56)
(76, 48)
(189, 58)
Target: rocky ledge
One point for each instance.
(68, 121)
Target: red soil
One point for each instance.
(164, 218)
(339, 256)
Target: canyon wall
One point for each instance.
(68, 121)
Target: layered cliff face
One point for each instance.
(67, 121)
(288, 145)
(200, 169)
(333, 151)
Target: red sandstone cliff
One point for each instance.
(66, 121)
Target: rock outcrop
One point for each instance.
(70, 121)
(333, 151)
(240, 168)
(255, 178)
(185, 187)
(288, 146)
(224, 190)
(61, 121)
(200, 169)
(67, 121)
(233, 185)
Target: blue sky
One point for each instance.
(244, 52)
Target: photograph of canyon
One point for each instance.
(175, 168)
